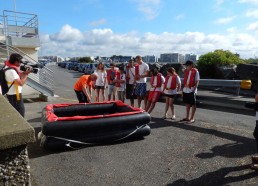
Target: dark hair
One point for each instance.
(138, 57)
(112, 64)
(189, 62)
(171, 70)
(154, 71)
(15, 57)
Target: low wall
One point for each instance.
(15, 134)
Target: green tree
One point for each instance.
(252, 60)
(86, 60)
(209, 63)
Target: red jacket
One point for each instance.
(158, 80)
(192, 77)
(173, 82)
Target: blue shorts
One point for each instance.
(140, 89)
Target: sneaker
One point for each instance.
(173, 117)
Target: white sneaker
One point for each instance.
(173, 117)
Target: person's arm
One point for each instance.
(90, 90)
(84, 89)
(105, 79)
(178, 84)
(21, 81)
(123, 79)
(197, 80)
(146, 74)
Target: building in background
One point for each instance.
(171, 58)
(149, 59)
(51, 58)
(192, 57)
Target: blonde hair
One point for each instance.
(103, 67)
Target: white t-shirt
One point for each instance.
(155, 83)
(197, 78)
(170, 91)
(131, 72)
(143, 68)
(10, 76)
(122, 85)
(101, 77)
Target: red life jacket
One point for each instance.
(118, 77)
(158, 80)
(109, 75)
(192, 77)
(173, 82)
(137, 72)
(7, 63)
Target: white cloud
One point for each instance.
(225, 20)
(254, 2)
(67, 33)
(104, 42)
(253, 26)
(232, 30)
(218, 5)
(180, 17)
(150, 8)
(252, 13)
(98, 22)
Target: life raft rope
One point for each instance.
(43, 137)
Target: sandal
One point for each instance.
(255, 159)
(254, 167)
(191, 121)
(164, 117)
(185, 119)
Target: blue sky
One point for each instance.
(143, 27)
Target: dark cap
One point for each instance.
(188, 63)
(15, 57)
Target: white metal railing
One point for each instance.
(43, 81)
(218, 83)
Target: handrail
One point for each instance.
(43, 81)
(218, 83)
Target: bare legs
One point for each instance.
(103, 94)
(169, 104)
(97, 95)
(188, 108)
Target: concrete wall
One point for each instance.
(15, 134)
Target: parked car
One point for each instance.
(90, 68)
(82, 67)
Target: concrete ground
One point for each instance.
(215, 150)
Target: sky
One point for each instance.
(142, 27)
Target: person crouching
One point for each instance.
(81, 86)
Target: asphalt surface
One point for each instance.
(215, 150)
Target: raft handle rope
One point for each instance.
(85, 143)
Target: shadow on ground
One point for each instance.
(240, 147)
(218, 177)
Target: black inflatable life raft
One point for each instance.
(78, 125)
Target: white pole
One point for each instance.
(14, 1)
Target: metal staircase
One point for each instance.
(19, 34)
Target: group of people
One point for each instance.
(134, 81)
(131, 83)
